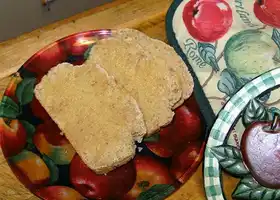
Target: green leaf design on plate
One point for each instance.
(25, 90)
(87, 52)
(54, 172)
(230, 159)
(157, 192)
(276, 37)
(207, 53)
(248, 188)
(30, 130)
(153, 138)
(8, 108)
(255, 111)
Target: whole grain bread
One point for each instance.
(100, 120)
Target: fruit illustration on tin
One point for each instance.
(114, 184)
(267, 11)
(59, 193)
(150, 172)
(207, 20)
(49, 141)
(250, 53)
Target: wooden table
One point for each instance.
(145, 15)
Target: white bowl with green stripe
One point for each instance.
(225, 121)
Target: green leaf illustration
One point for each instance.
(157, 192)
(30, 130)
(8, 108)
(228, 84)
(87, 52)
(248, 188)
(276, 37)
(255, 111)
(54, 172)
(207, 53)
(230, 159)
(25, 89)
(153, 138)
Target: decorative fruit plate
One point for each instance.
(256, 159)
(46, 163)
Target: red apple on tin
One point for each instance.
(44, 60)
(13, 137)
(114, 184)
(260, 147)
(58, 193)
(184, 159)
(149, 172)
(186, 126)
(268, 12)
(38, 110)
(207, 20)
(49, 141)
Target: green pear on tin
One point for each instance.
(250, 53)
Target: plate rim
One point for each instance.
(226, 118)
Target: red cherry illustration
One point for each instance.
(260, 147)
(114, 184)
(268, 12)
(207, 20)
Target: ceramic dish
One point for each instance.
(256, 160)
(46, 163)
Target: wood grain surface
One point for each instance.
(145, 15)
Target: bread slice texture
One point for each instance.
(98, 118)
(161, 50)
(157, 83)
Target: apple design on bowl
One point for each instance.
(267, 11)
(260, 147)
(207, 20)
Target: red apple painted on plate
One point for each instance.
(13, 137)
(260, 147)
(59, 193)
(268, 12)
(149, 172)
(38, 110)
(44, 60)
(11, 89)
(207, 20)
(182, 161)
(30, 169)
(186, 126)
(49, 141)
(114, 184)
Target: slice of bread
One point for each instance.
(158, 81)
(165, 52)
(99, 119)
